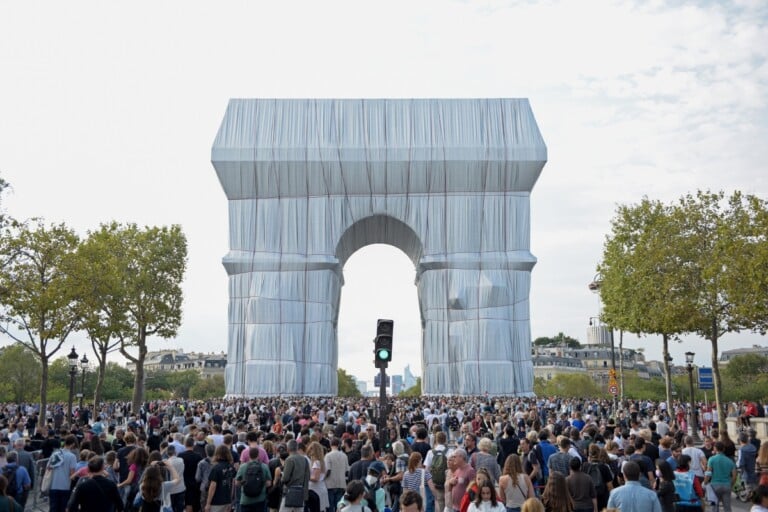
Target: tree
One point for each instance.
(747, 369)
(724, 258)
(100, 295)
(36, 292)
(209, 388)
(570, 384)
(21, 374)
(413, 391)
(641, 287)
(699, 265)
(347, 385)
(557, 341)
(151, 267)
(182, 382)
(118, 383)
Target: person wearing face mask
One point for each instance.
(374, 493)
(665, 485)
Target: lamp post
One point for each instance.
(84, 368)
(692, 412)
(72, 358)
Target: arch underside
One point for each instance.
(460, 211)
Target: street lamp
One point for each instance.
(84, 368)
(72, 358)
(692, 411)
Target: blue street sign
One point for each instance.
(706, 380)
(377, 380)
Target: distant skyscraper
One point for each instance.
(397, 384)
(409, 379)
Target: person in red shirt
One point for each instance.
(750, 411)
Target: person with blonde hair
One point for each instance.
(317, 486)
(515, 487)
(532, 505)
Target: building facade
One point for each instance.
(176, 360)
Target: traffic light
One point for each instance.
(383, 343)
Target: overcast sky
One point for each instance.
(108, 111)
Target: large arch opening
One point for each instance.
(388, 292)
(385, 244)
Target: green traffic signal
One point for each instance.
(383, 354)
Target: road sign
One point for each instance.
(614, 390)
(377, 380)
(706, 379)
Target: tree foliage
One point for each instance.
(748, 370)
(558, 340)
(570, 384)
(21, 374)
(347, 385)
(101, 302)
(36, 291)
(206, 389)
(151, 266)
(699, 265)
(413, 391)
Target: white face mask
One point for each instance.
(371, 479)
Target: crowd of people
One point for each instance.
(465, 454)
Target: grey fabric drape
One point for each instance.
(309, 182)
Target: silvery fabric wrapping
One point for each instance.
(309, 182)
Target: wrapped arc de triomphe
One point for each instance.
(309, 182)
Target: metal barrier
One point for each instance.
(38, 498)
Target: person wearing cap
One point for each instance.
(373, 485)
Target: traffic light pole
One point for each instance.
(383, 408)
(382, 352)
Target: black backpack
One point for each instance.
(12, 488)
(253, 484)
(593, 470)
(370, 496)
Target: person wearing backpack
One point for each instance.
(437, 465)
(253, 478)
(581, 488)
(6, 502)
(374, 493)
(600, 473)
(18, 478)
(62, 464)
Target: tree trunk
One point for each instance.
(667, 374)
(42, 417)
(621, 365)
(138, 382)
(102, 356)
(716, 374)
